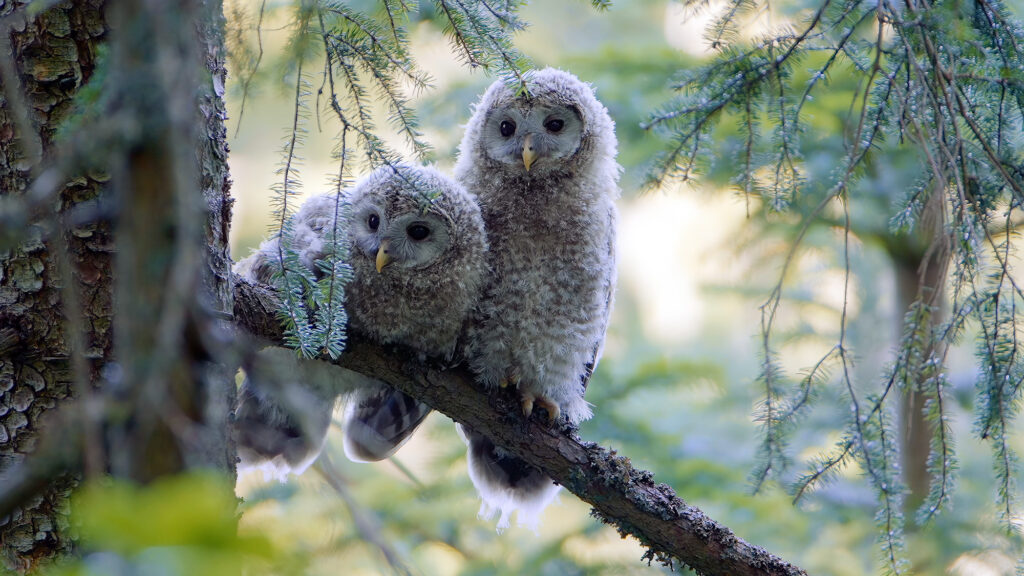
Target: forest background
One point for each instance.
(681, 387)
(676, 389)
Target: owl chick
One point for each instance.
(281, 429)
(419, 269)
(417, 250)
(543, 167)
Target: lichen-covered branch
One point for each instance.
(674, 532)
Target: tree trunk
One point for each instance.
(916, 431)
(54, 55)
(921, 262)
(162, 181)
(169, 289)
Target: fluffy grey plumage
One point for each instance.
(425, 292)
(269, 435)
(422, 295)
(543, 168)
(417, 249)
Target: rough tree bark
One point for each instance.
(674, 532)
(46, 61)
(57, 250)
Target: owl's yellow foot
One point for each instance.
(529, 400)
(512, 381)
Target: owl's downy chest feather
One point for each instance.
(545, 310)
(548, 232)
(425, 312)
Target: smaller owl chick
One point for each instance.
(417, 251)
(418, 256)
(419, 267)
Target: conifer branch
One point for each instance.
(674, 532)
(919, 87)
(482, 40)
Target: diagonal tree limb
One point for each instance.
(672, 531)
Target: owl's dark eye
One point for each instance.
(554, 125)
(507, 128)
(373, 222)
(417, 231)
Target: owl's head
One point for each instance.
(558, 126)
(408, 217)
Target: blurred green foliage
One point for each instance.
(179, 525)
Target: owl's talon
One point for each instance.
(527, 403)
(551, 407)
(530, 401)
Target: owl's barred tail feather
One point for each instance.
(378, 420)
(506, 483)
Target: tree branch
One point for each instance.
(673, 531)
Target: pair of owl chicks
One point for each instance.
(510, 268)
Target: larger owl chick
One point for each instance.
(543, 167)
(417, 249)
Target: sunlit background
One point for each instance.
(675, 391)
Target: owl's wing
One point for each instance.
(609, 297)
(378, 420)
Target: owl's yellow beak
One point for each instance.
(529, 154)
(383, 258)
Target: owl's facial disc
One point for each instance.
(368, 224)
(412, 241)
(535, 138)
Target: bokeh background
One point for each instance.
(675, 390)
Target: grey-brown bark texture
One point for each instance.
(54, 54)
(179, 174)
(623, 496)
(215, 186)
